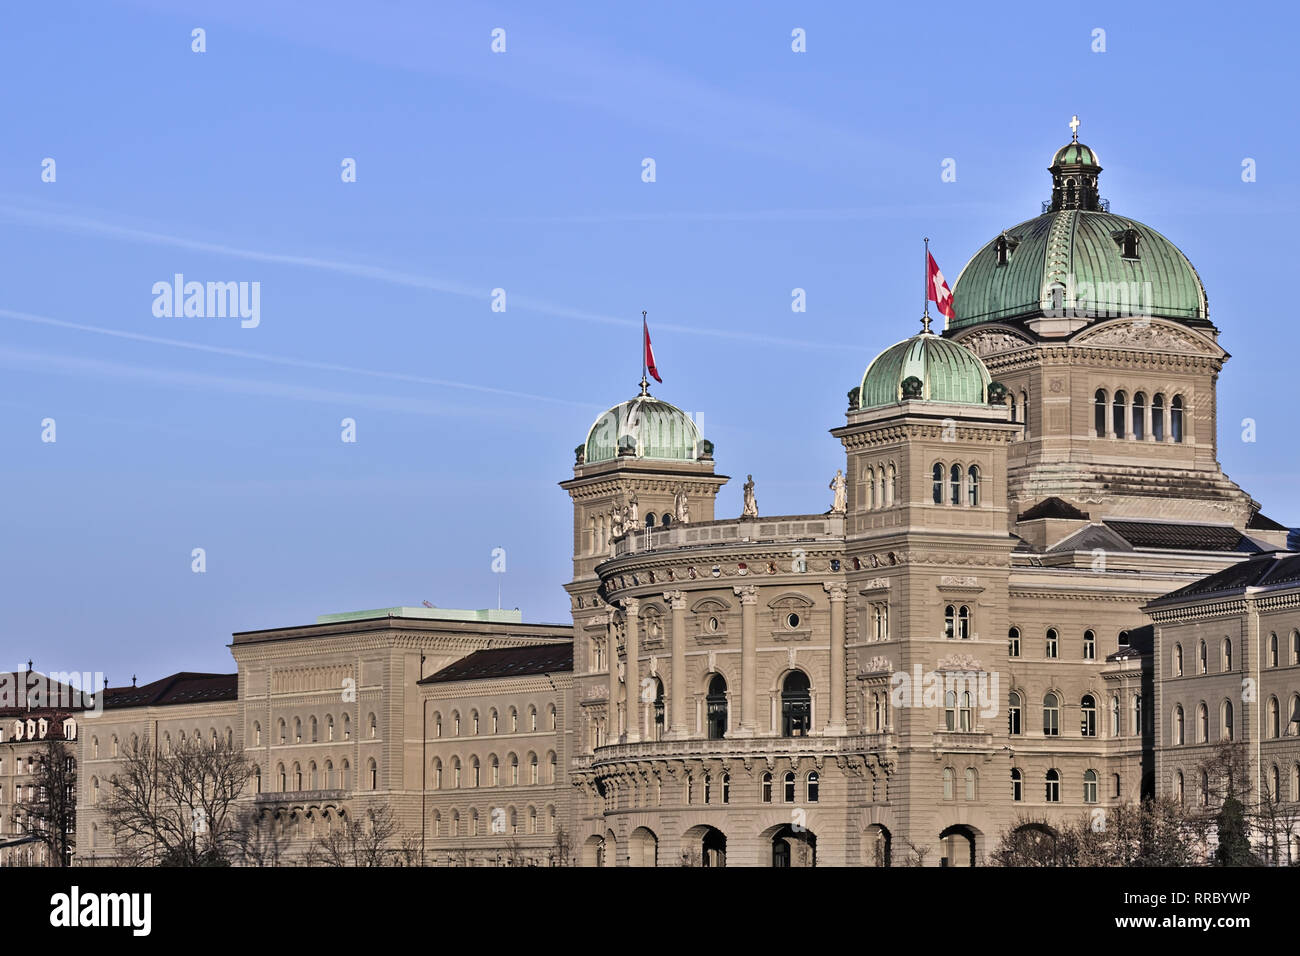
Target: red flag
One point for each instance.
(650, 353)
(936, 289)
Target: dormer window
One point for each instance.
(1001, 248)
(1127, 240)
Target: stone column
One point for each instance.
(748, 595)
(632, 678)
(677, 691)
(837, 724)
(611, 658)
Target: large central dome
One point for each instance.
(1078, 256)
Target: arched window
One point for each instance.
(954, 482)
(1274, 718)
(950, 621)
(766, 788)
(973, 486)
(947, 783)
(473, 722)
(814, 782)
(372, 775)
(1088, 716)
(532, 769)
(1202, 724)
(550, 766)
(1013, 714)
(970, 783)
(280, 778)
(937, 491)
(550, 717)
(347, 726)
(1205, 788)
(716, 707)
(788, 787)
(1017, 785)
(494, 772)
(1139, 416)
(665, 520)
(313, 776)
(297, 775)
(950, 710)
(474, 778)
(1178, 660)
(373, 726)
(891, 486)
(796, 705)
(1179, 792)
(1176, 418)
(532, 718)
(1272, 650)
(1089, 646)
(1227, 654)
(1275, 781)
(1013, 642)
(1051, 716)
(963, 622)
(1114, 716)
(297, 730)
(1158, 417)
(329, 726)
(492, 716)
(514, 721)
(1179, 737)
(1014, 411)
(650, 520)
(281, 731)
(1119, 408)
(1292, 715)
(880, 487)
(1226, 712)
(514, 770)
(1053, 786)
(1295, 647)
(1204, 659)
(1137, 714)
(1090, 786)
(1053, 643)
(1024, 411)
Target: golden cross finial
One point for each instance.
(1074, 127)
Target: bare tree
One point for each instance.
(50, 812)
(262, 840)
(178, 808)
(365, 841)
(562, 851)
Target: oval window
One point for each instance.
(792, 621)
(713, 624)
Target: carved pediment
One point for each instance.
(992, 341)
(1156, 336)
(790, 601)
(959, 662)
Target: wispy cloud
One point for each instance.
(286, 361)
(52, 219)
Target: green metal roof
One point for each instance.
(949, 372)
(652, 428)
(487, 615)
(1076, 153)
(1073, 247)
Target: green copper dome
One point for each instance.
(1075, 153)
(947, 372)
(1078, 259)
(644, 427)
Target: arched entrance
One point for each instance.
(643, 847)
(793, 847)
(716, 707)
(1031, 844)
(876, 848)
(593, 851)
(796, 705)
(958, 846)
(704, 845)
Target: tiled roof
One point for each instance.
(182, 688)
(507, 662)
(1053, 508)
(1182, 537)
(1259, 571)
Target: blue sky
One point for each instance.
(522, 171)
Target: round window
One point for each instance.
(792, 621)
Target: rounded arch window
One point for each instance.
(937, 490)
(796, 705)
(716, 707)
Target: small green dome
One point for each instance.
(644, 427)
(1075, 153)
(946, 371)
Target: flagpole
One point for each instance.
(645, 333)
(925, 287)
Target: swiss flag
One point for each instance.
(936, 289)
(649, 353)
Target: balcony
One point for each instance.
(730, 532)
(301, 796)
(735, 747)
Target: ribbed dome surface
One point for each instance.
(948, 372)
(650, 427)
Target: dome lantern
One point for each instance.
(1075, 170)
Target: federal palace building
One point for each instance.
(1032, 592)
